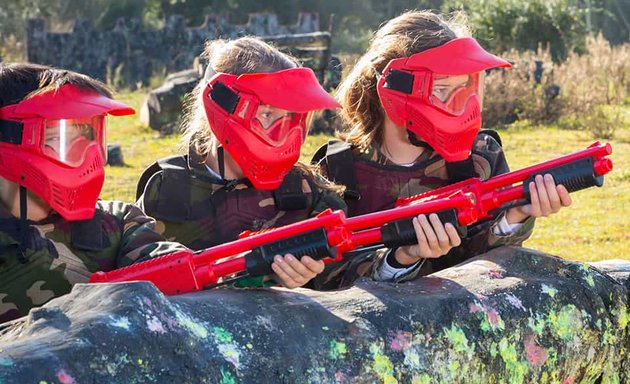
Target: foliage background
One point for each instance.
(499, 24)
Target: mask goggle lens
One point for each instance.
(274, 124)
(68, 140)
(451, 93)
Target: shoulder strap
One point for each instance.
(144, 178)
(340, 165)
(461, 170)
(88, 234)
(173, 201)
(290, 196)
(493, 133)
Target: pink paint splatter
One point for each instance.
(64, 378)
(493, 317)
(536, 355)
(474, 308)
(401, 341)
(339, 377)
(569, 380)
(481, 297)
(494, 274)
(155, 325)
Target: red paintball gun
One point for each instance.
(331, 234)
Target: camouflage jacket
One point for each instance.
(55, 260)
(379, 183)
(212, 215)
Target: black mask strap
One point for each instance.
(415, 140)
(23, 226)
(228, 185)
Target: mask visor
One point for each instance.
(68, 140)
(272, 124)
(451, 93)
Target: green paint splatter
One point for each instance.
(221, 335)
(382, 365)
(384, 368)
(412, 359)
(196, 329)
(551, 291)
(624, 316)
(515, 368)
(227, 377)
(588, 275)
(493, 349)
(458, 339)
(43, 382)
(144, 364)
(453, 368)
(325, 328)
(337, 350)
(536, 324)
(249, 346)
(566, 322)
(590, 281)
(422, 379)
(485, 325)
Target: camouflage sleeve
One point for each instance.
(147, 201)
(139, 240)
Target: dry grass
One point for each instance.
(581, 93)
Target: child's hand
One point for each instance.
(546, 199)
(434, 240)
(293, 273)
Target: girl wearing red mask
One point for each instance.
(246, 123)
(412, 107)
(54, 232)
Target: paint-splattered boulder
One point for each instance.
(510, 316)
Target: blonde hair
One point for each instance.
(402, 36)
(243, 55)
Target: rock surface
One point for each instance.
(512, 315)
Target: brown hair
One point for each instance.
(19, 81)
(243, 55)
(402, 36)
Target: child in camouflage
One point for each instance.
(245, 126)
(53, 232)
(412, 109)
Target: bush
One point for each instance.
(600, 78)
(526, 91)
(584, 92)
(501, 25)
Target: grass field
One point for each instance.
(595, 227)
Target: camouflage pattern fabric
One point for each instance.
(217, 215)
(380, 182)
(54, 264)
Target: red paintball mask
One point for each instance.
(437, 94)
(260, 119)
(54, 145)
